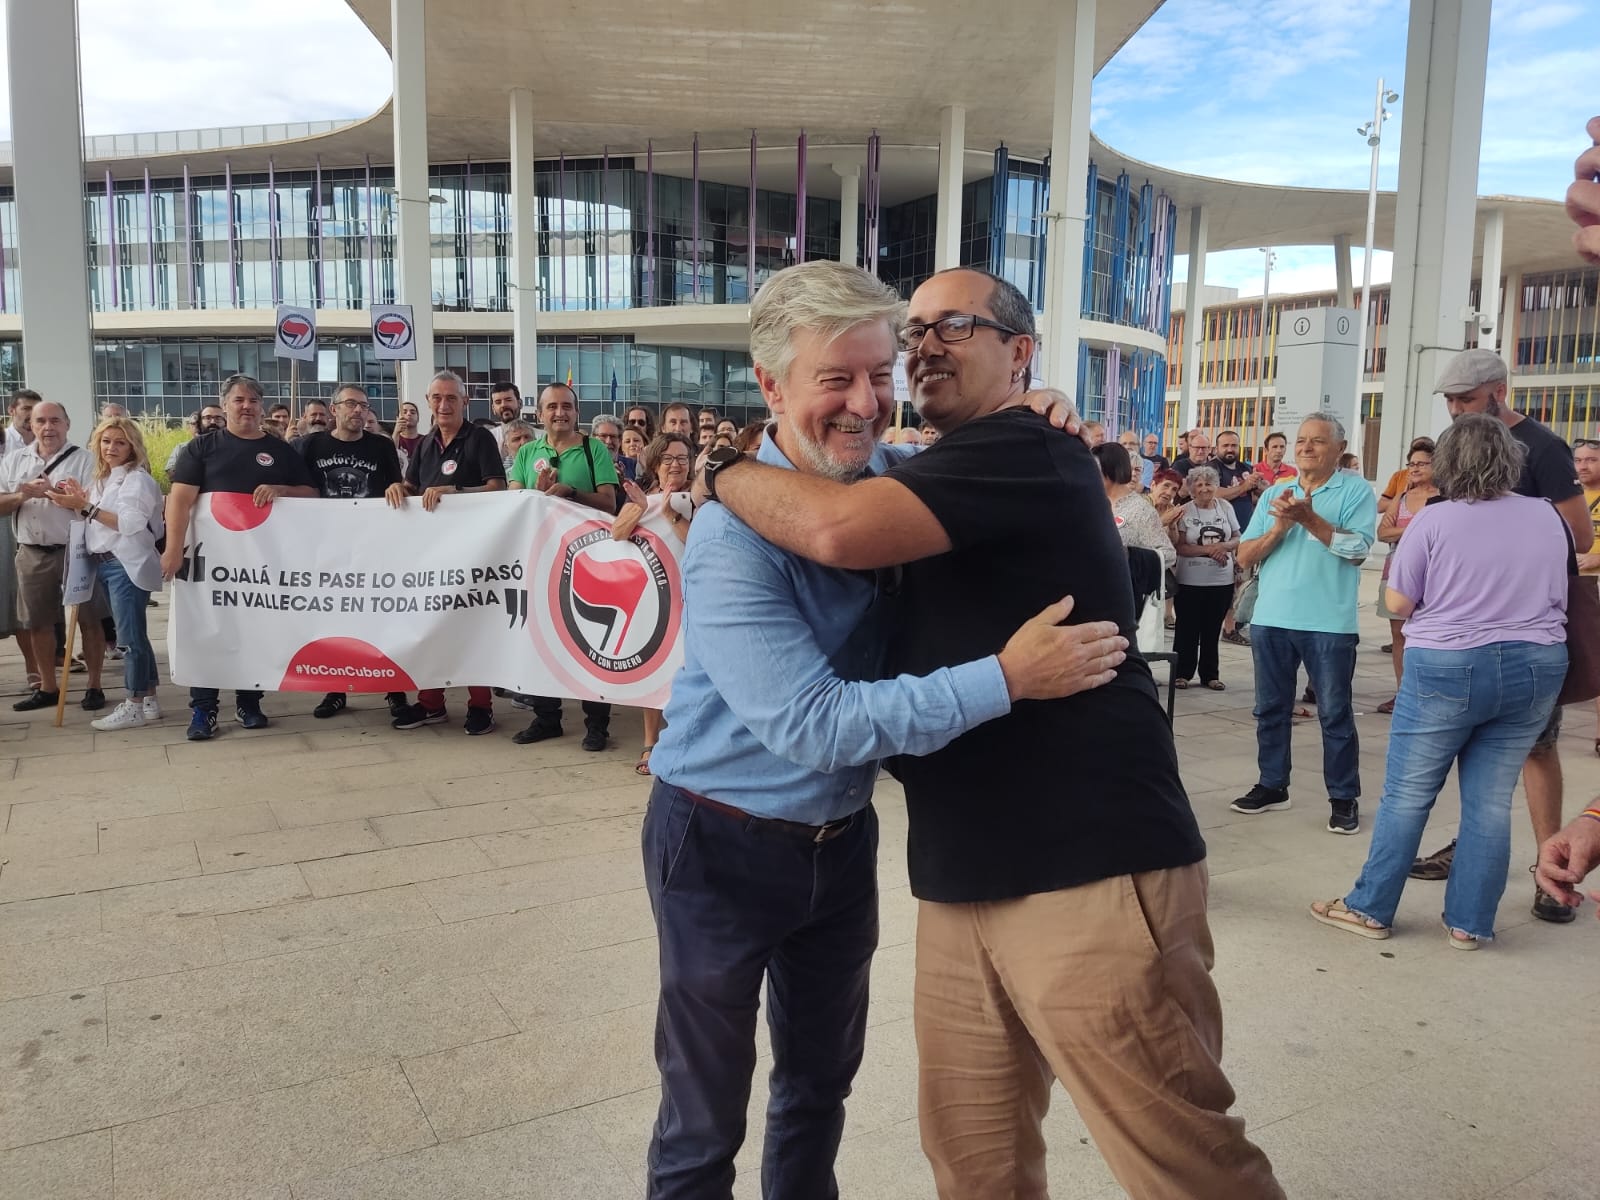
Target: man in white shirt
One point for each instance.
(19, 432)
(43, 529)
(505, 406)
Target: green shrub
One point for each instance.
(159, 440)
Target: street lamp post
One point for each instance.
(1373, 132)
(1261, 371)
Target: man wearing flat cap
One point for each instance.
(1475, 381)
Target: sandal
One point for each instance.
(1170, 623)
(1301, 714)
(642, 767)
(1180, 684)
(1236, 638)
(1334, 912)
(1387, 707)
(1216, 685)
(1461, 939)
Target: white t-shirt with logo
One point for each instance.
(1205, 527)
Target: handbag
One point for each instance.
(1244, 607)
(1583, 630)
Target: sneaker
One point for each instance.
(332, 704)
(1434, 866)
(152, 709)
(117, 653)
(1548, 908)
(1344, 816)
(415, 717)
(397, 705)
(39, 699)
(535, 732)
(594, 740)
(251, 716)
(479, 721)
(1261, 799)
(202, 726)
(127, 715)
(518, 700)
(93, 700)
(1309, 696)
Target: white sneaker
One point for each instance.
(116, 653)
(127, 715)
(152, 710)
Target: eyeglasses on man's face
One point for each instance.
(958, 327)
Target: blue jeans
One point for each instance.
(737, 902)
(1330, 661)
(1485, 707)
(128, 602)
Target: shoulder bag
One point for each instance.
(1583, 629)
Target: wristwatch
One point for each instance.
(719, 459)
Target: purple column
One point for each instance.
(750, 222)
(605, 222)
(372, 267)
(233, 275)
(800, 200)
(694, 200)
(1113, 388)
(272, 232)
(468, 190)
(650, 223)
(150, 237)
(111, 238)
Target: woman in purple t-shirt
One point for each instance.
(1482, 583)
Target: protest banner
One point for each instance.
(508, 589)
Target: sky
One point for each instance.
(1268, 91)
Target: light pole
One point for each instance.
(1261, 372)
(1373, 132)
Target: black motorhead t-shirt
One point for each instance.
(470, 460)
(220, 461)
(1059, 792)
(362, 469)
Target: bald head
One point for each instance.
(50, 425)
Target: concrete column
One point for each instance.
(1447, 50)
(1506, 329)
(1194, 316)
(47, 155)
(524, 247)
(952, 154)
(1341, 271)
(413, 269)
(849, 210)
(1494, 236)
(1069, 173)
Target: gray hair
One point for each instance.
(1327, 418)
(1202, 475)
(822, 296)
(40, 406)
(1476, 458)
(347, 387)
(606, 419)
(449, 377)
(1010, 307)
(518, 424)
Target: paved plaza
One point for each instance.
(329, 961)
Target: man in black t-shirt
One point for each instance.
(1475, 381)
(454, 456)
(351, 464)
(240, 457)
(1071, 812)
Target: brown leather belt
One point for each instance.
(812, 833)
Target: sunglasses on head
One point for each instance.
(1586, 442)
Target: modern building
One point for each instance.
(558, 214)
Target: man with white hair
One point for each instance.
(1308, 537)
(760, 841)
(27, 476)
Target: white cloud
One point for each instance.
(1533, 16)
(1296, 269)
(186, 64)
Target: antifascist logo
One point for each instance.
(295, 332)
(392, 331)
(612, 603)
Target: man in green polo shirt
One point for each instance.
(568, 464)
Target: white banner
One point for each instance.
(78, 573)
(510, 589)
(394, 338)
(296, 335)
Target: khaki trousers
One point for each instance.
(1106, 987)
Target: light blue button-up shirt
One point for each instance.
(1304, 584)
(779, 708)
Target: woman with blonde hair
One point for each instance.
(122, 508)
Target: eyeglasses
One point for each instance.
(358, 405)
(674, 460)
(1419, 462)
(957, 328)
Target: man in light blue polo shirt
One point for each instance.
(760, 842)
(1308, 537)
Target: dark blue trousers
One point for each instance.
(736, 904)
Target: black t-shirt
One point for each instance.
(219, 461)
(1244, 504)
(1547, 472)
(470, 460)
(1160, 460)
(1059, 792)
(358, 470)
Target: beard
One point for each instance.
(1230, 458)
(820, 462)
